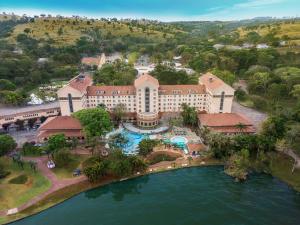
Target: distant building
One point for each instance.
(247, 45)
(262, 46)
(9, 115)
(94, 61)
(42, 60)
(66, 125)
(227, 123)
(218, 46)
(147, 100)
(99, 61)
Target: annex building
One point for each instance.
(146, 100)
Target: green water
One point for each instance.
(195, 196)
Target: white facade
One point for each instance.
(146, 98)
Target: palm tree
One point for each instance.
(241, 127)
(119, 112)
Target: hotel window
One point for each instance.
(222, 100)
(70, 103)
(147, 99)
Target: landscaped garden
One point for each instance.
(22, 184)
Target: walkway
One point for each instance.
(56, 184)
(134, 129)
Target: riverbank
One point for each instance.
(280, 167)
(70, 191)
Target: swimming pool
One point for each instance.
(181, 142)
(130, 148)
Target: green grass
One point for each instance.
(55, 198)
(247, 102)
(281, 167)
(14, 195)
(67, 170)
(289, 29)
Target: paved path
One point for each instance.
(56, 184)
(255, 116)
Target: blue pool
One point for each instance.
(133, 141)
(181, 142)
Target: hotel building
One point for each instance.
(146, 100)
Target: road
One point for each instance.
(23, 136)
(255, 116)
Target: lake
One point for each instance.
(191, 196)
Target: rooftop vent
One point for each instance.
(210, 79)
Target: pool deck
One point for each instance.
(134, 129)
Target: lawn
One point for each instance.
(281, 167)
(67, 170)
(30, 185)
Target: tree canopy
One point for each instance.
(7, 144)
(95, 122)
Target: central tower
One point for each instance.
(147, 100)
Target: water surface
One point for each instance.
(193, 196)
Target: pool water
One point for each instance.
(180, 142)
(192, 196)
(133, 141)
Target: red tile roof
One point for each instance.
(110, 90)
(71, 133)
(195, 147)
(211, 81)
(81, 82)
(181, 89)
(146, 78)
(233, 129)
(222, 119)
(90, 60)
(61, 123)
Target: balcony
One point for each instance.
(147, 116)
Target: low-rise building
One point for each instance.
(67, 125)
(227, 123)
(10, 115)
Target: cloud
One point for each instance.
(256, 3)
(249, 9)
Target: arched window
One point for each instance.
(222, 100)
(147, 99)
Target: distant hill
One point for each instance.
(288, 28)
(65, 31)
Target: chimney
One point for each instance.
(210, 79)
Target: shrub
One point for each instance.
(146, 146)
(240, 94)
(116, 164)
(161, 157)
(7, 144)
(259, 102)
(21, 179)
(62, 158)
(3, 172)
(30, 149)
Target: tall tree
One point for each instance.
(7, 144)
(95, 122)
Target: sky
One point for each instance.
(163, 10)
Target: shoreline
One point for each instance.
(73, 190)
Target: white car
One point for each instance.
(50, 164)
